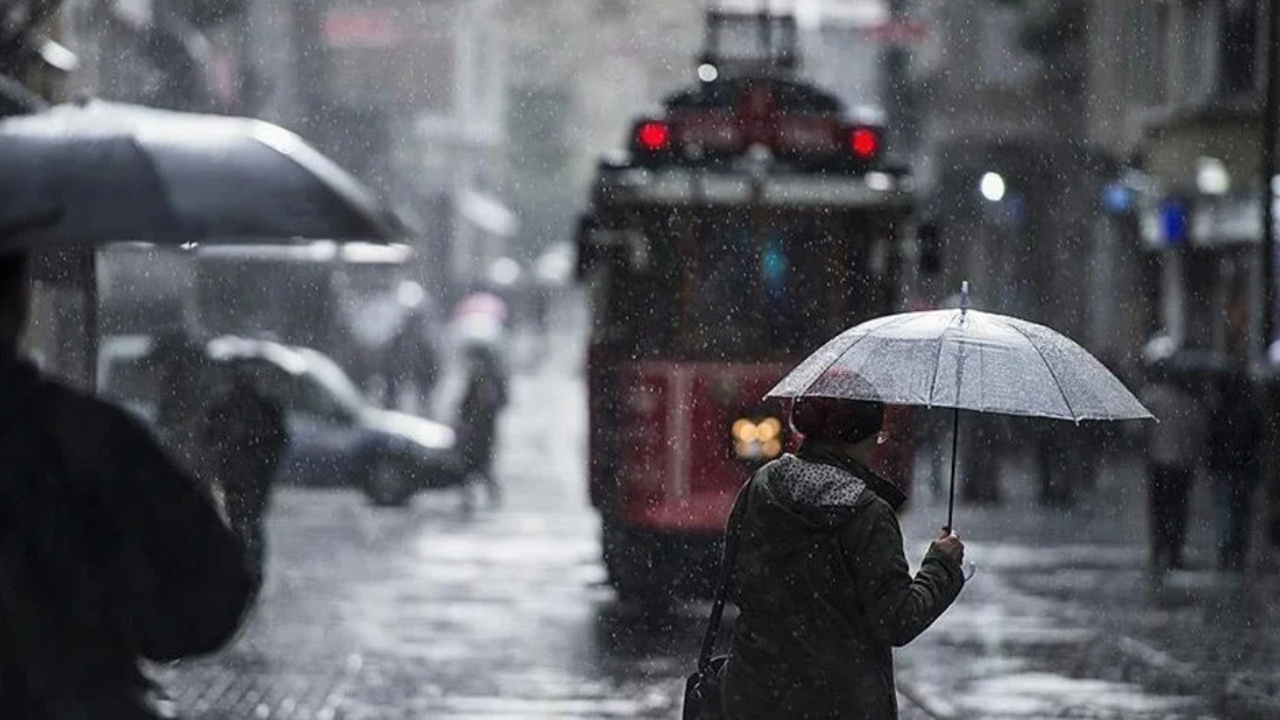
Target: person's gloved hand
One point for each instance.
(948, 543)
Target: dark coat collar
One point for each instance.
(824, 453)
(18, 380)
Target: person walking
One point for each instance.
(1175, 448)
(109, 552)
(821, 580)
(1235, 468)
(483, 399)
(246, 436)
(412, 360)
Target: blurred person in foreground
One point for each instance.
(1175, 448)
(109, 552)
(821, 579)
(247, 436)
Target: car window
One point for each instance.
(310, 397)
(297, 394)
(332, 379)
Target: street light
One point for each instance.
(1212, 177)
(992, 187)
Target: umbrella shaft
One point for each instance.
(955, 441)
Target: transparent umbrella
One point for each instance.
(966, 360)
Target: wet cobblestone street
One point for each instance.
(431, 612)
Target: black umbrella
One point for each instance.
(115, 172)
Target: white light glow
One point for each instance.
(504, 271)
(707, 72)
(992, 187)
(880, 182)
(1212, 177)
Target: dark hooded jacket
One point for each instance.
(824, 592)
(109, 553)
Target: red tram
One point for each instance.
(750, 222)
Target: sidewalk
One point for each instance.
(1064, 620)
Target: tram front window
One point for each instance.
(740, 288)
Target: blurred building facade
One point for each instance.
(408, 96)
(1123, 133)
(1198, 109)
(412, 97)
(1197, 96)
(1126, 135)
(583, 70)
(1023, 115)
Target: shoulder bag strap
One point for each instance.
(722, 592)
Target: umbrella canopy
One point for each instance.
(115, 172)
(967, 360)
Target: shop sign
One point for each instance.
(1202, 221)
(360, 28)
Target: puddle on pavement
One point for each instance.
(1020, 655)
(1039, 694)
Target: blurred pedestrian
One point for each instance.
(483, 399)
(1235, 436)
(109, 552)
(818, 573)
(412, 358)
(180, 395)
(1175, 449)
(1068, 458)
(246, 436)
(981, 448)
(1056, 461)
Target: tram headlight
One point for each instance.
(757, 439)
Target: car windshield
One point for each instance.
(326, 373)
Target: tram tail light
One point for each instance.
(653, 136)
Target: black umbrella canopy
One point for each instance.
(107, 172)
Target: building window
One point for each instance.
(1214, 50)
(1001, 61)
(1237, 75)
(1194, 46)
(1149, 34)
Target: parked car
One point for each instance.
(336, 436)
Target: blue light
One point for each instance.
(774, 267)
(1173, 221)
(1117, 197)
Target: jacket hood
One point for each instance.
(885, 490)
(814, 492)
(813, 484)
